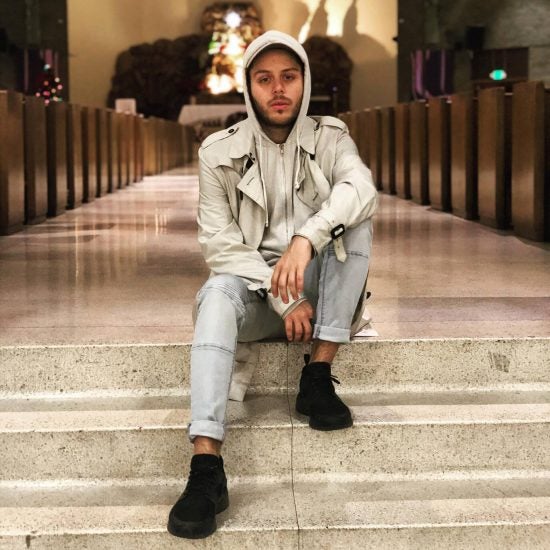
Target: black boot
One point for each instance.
(194, 514)
(318, 400)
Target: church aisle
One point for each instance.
(126, 268)
(449, 446)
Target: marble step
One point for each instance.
(412, 435)
(364, 366)
(325, 514)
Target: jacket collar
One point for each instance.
(243, 142)
(307, 136)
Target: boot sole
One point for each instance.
(197, 529)
(317, 424)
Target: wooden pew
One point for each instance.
(102, 152)
(531, 160)
(189, 143)
(75, 171)
(123, 149)
(363, 131)
(345, 117)
(387, 161)
(164, 146)
(12, 170)
(159, 137)
(419, 152)
(353, 125)
(375, 145)
(169, 149)
(494, 157)
(131, 136)
(439, 144)
(464, 156)
(138, 121)
(89, 153)
(113, 168)
(56, 125)
(148, 167)
(173, 142)
(402, 151)
(155, 144)
(182, 157)
(36, 161)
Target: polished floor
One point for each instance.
(126, 268)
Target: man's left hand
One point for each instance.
(289, 271)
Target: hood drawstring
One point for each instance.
(297, 161)
(260, 168)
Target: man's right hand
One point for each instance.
(298, 323)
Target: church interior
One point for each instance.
(103, 107)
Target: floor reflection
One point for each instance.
(126, 268)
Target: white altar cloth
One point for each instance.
(190, 114)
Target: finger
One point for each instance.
(292, 285)
(307, 331)
(288, 329)
(298, 331)
(300, 281)
(275, 281)
(282, 286)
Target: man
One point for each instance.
(284, 225)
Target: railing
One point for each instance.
(56, 157)
(484, 158)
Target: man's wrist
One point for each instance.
(303, 242)
(293, 306)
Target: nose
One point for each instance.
(278, 86)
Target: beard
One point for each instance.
(266, 121)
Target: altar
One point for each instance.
(213, 114)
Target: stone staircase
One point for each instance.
(450, 449)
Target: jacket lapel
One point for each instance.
(251, 186)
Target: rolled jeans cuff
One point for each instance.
(206, 428)
(332, 334)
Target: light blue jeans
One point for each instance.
(227, 313)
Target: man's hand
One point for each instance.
(289, 271)
(298, 323)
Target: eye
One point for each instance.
(263, 80)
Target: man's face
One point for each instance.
(276, 87)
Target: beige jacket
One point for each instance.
(331, 186)
(334, 187)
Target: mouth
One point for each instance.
(279, 104)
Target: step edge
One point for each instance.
(108, 511)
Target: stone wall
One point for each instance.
(443, 23)
(508, 24)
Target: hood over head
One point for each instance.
(270, 40)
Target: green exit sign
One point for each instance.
(498, 74)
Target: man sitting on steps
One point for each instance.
(284, 220)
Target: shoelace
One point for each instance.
(322, 383)
(201, 482)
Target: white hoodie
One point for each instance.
(253, 199)
(278, 163)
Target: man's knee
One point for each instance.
(225, 286)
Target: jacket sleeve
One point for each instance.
(222, 242)
(353, 197)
